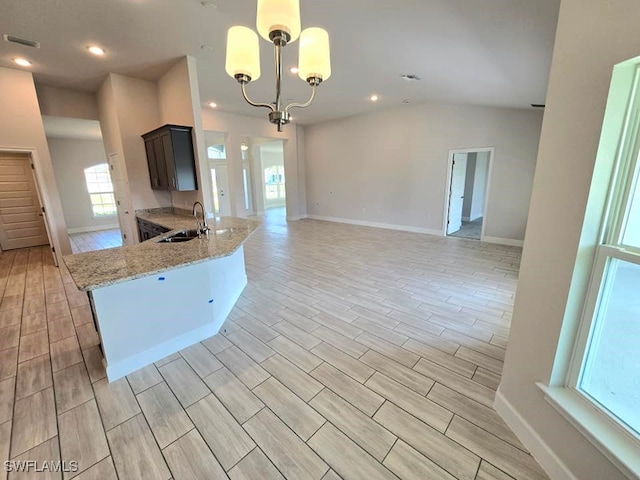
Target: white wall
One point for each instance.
(469, 182)
(391, 167)
(70, 157)
(257, 177)
(589, 42)
(179, 103)
(128, 109)
(480, 177)
(21, 128)
(62, 102)
(237, 127)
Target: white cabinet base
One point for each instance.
(144, 320)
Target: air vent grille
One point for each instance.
(410, 77)
(20, 41)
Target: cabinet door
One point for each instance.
(184, 160)
(143, 234)
(160, 148)
(152, 161)
(172, 182)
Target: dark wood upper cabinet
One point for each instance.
(170, 158)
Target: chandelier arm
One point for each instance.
(252, 103)
(303, 105)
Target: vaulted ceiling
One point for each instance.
(485, 52)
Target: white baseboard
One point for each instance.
(388, 226)
(466, 219)
(544, 455)
(503, 241)
(122, 368)
(92, 229)
(295, 218)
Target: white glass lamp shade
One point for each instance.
(243, 53)
(314, 56)
(279, 15)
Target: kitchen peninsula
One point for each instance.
(155, 298)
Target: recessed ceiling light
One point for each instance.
(95, 50)
(294, 70)
(373, 98)
(213, 104)
(23, 62)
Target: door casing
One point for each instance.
(40, 190)
(445, 215)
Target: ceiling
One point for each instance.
(485, 52)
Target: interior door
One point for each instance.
(123, 199)
(21, 215)
(220, 180)
(456, 192)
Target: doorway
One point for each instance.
(89, 184)
(22, 222)
(467, 193)
(220, 186)
(219, 171)
(272, 176)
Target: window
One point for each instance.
(214, 187)
(274, 182)
(247, 192)
(100, 190)
(610, 373)
(596, 378)
(217, 152)
(606, 365)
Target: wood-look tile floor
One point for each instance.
(353, 353)
(90, 241)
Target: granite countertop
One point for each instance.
(92, 270)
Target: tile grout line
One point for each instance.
(15, 385)
(147, 422)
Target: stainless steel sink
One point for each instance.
(183, 236)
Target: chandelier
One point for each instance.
(278, 21)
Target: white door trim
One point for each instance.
(34, 159)
(445, 215)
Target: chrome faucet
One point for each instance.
(202, 227)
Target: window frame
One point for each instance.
(280, 185)
(607, 215)
(92, 171)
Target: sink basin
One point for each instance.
(176, 239)
(183, 236)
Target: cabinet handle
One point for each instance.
(173, 180)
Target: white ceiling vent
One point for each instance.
(410, 77)
(20, 41)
